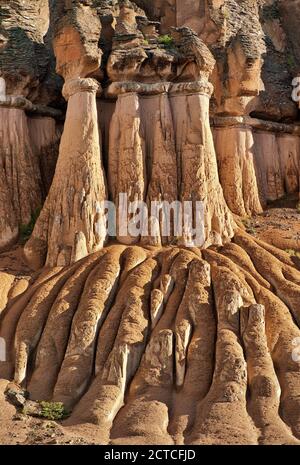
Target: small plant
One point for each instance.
(26, 229)
(166, 40)
(249, 227)
(290, 60)
(53, 410)
(226, 13)
(292, 253)
(145, 42)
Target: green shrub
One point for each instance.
(226, 13)
(53, 410)
(290, 60)
(293, 253)
(166, 40)
(26, 229)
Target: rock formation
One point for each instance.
(21, 186)
(178, 140)
(151, 334)
(256, 297)
(71, 223)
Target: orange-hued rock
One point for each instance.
(161, 332)
(289, 158)
(76, 41)
(161, 157)
(129, 340)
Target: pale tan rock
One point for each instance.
(52, 346)
(196, 312)
(71, 223)
(264, 386)
(32, 321)
(21, 189)
(160, 344)
(226, 400)
(289, 158)
(119, 361)
(126, 161)
(97, 297)
(161, 159)
(76, 42)
(7, 281)
(45, 135)
(182, 380)
(236, 162)
(197, 163)
(73, 205)
(285, 279)
(268, 165)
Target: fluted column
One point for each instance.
(268, 165)
(126, 159)
(161, 159)
(236, 162)
(20, 180)
(196, 158)
(71, 224)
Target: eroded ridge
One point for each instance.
(165, 346)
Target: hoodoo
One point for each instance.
(149, 228)
(71, 223)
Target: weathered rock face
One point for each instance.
(252, 42)
(171, 156)
(163, 380)
(258, 162)
(71, 224)
(45, 133)
(25, 69)
(21, 188)
(237, 167)
(27, 158)
(151, 338)
(26, 57)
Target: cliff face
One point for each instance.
(152, 337)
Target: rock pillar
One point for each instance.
(236, 162)
(161, 161)
(196, 159)
(268, 165)
(20, 180)
(71, 224)
(126, 161)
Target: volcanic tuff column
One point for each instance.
(197, 163)
(161, 158)
(126, 163)
(142, 156)
(71, 224)
(236, 161)
(20, 180)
